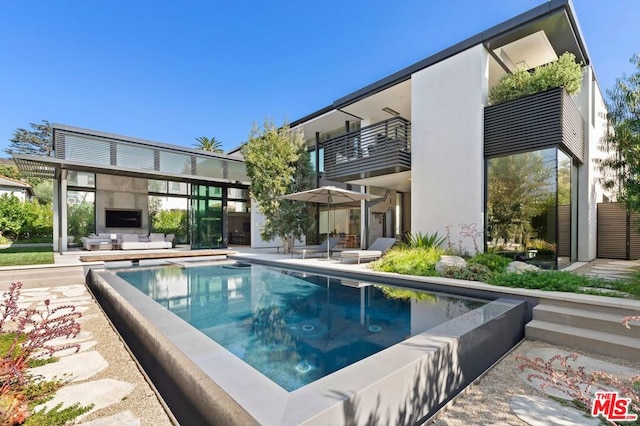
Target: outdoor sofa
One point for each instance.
(128, 241)
(379, 247)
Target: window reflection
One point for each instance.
(80, 214)
(529, 214)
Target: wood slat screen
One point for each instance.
(612, 231)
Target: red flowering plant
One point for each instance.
(27, 335)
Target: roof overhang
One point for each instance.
(556, 18)
(53, 168)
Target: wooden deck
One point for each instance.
(139, 255)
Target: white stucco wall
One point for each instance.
(447, 186)
(591, 104)
(19, 193)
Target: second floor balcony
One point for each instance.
(379, 149)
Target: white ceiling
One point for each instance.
(528, 52)
(327, 122)
(397, 97)
(398, 181)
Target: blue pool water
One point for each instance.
(291, 326)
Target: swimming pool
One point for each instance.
(204, 382)
(294, 327)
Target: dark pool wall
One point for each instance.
(478, 348)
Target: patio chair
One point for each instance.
(379, 247)
(320, 248)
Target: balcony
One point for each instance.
(544, 120)
(380, 149)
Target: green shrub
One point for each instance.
(559, 281)
(420, 240)
(24, 219)
(494, 262)
(409, 261)
(564, 72)
(470, 272)
(57, 416)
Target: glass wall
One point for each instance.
(206, 211)
(529, 207)
(168, 213)
(239, 216)
(81, 214)
(81, 205)
(341, 221)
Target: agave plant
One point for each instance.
(420, 240)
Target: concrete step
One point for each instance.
(588, 319)
(599, 342)
(609, 305)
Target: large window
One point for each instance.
(81, 214)
(169, 214)
(529, 207)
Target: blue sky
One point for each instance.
(171, 71)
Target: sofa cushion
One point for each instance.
(134, 245)
(156, 237)
(129, 238)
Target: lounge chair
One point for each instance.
(379, 247)
(320, 248)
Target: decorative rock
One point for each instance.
(542, 412)
(519, 267)
(81, 337)
(100, 393)
(73, 291)
(84, 346)
(450, 262)
(77, 367)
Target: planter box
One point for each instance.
(544, 120)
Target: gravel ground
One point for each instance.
(142, 401)
(486, 402)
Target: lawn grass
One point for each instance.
(13, 256)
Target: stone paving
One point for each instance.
(538, 411)
(610, 269)
(102, 373)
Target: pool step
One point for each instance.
(587, 329)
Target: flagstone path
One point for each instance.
(102, 372)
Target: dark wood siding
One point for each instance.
(572, 128)
(564, 231)
(612, 231)
(544, 120)
(634, 236)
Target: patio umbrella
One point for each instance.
(328, 195)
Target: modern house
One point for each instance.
(128, 182)
(519, 175)
(427, 140)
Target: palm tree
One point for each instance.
(209, 144)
